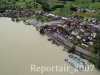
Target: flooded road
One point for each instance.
(21, 46)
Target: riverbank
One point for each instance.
(79, 31)
(21, 45)
(54, 20)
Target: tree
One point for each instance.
(71, 50)
(13, 2)
(44, 4)
(93, 1)
(17, 0)
(23, 0)
(42, 31)
(2, 10)
(73, 8)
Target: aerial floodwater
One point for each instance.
(23, 51)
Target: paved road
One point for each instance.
(69, 44)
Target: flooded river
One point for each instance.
(21, 46)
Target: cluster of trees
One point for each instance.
(93, 1)
(97, 43)
(59, 7)
(52, 5)
(46, 6)
(67, 0)
(97, 50)
(33, 5)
